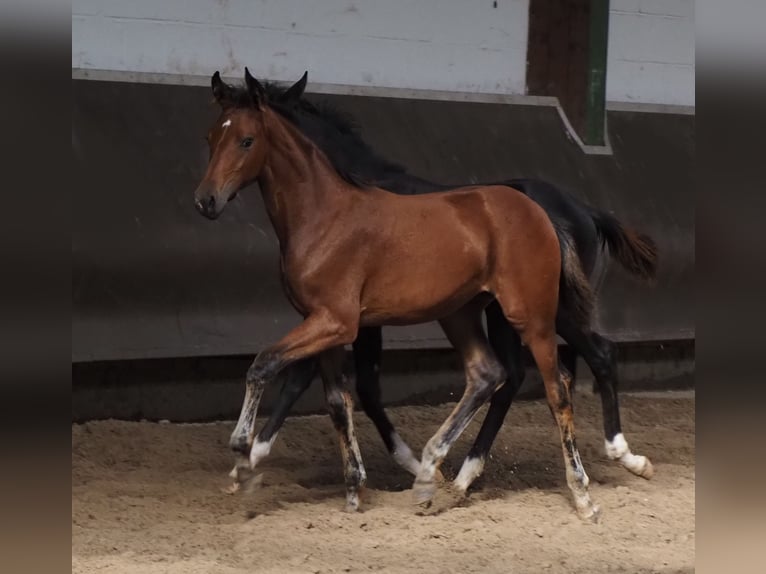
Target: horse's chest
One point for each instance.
(292, 288)
(304, 286)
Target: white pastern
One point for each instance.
(260, 451)
(618, 449)
(470, 471)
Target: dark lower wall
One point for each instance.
(152, 279)
(211, 388)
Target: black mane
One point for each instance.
(335, 133)
(332, 131)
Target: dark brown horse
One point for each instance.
(356, 256)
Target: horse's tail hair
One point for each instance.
(575, 293)
(635, 251)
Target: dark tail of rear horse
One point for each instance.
(576, 296)
(636, 252)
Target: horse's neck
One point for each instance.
(300, 188)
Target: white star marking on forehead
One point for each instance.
(226, 124)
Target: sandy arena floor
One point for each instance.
(147, 498)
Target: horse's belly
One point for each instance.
(424, 293)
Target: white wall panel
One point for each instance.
(651, 52)
(455, 45)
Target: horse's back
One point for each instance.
(506, 209)
(486, 213)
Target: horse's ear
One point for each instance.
(295, 91)
(221, 90)
(255, 89)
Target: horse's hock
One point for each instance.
(153, 280)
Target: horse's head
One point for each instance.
(237, 144)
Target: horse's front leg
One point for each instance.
(297, 378)
(321, 330)
(341, 409)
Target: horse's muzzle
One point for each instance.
(207, 207)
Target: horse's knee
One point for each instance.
(265, 364)
(336, 404)
(487, 376)
(496, 373)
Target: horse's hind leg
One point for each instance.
(341, 408)
(541, 340)
(367, 351)
(484, 374)
(599, 353)
(507, 347)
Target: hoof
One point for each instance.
(590, 513)
(647, 471)
(352, 502)
(455, 495)
(638, 465)
(233, 488)
(458, 492)
(423, 491)
(241, 471)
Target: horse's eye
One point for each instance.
(246, 143)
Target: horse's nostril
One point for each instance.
(206, 206)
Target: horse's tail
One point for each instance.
(575, 293)
(636, 252)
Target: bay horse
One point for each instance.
(590, 231)
(355, 255)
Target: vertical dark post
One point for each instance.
(558, 57)
(597, 50)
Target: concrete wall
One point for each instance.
(651, 52)
(453, 45)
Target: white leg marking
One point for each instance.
(618, 449)
(578, 481)
(470, 471)
(432, 458)
(403, 455)
(260, 450)
(352, 502)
